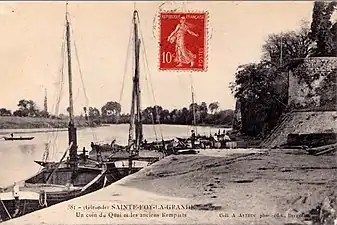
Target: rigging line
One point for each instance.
(61, 83)
(58, 95)
(82, 81)
(57, 106)
(154, 128)
(55, 134)
(149, 74)
(152, 118)
(126, 63)
(80, 70)
(193, 104)
(52, 137)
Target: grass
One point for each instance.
(13, 122)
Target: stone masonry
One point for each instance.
(312, 84)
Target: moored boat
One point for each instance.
(58, 181)
(125, 157)
(18, 138)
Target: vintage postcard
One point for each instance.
(168, 112)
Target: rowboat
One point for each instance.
(18, 138)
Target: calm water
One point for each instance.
(17, 157)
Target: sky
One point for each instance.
(32, 37)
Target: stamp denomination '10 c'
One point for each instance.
(182, 41)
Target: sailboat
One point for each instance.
(58, 181)
(126, 155)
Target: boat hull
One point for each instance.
(45, 194)
(8, 208)
(18, 138)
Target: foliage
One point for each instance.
(323, 30)
(213, 107)
(261, 88)
(111, 111)
(185, 116)
(5, 112)
(261, 96)
(280, 49)
(328, 90)
(27, 108)
(94, 116)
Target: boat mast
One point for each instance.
(136, 120)
(139, 127)
(193, 108)
(45, 103)
(72, 137)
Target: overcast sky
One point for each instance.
(32, 33)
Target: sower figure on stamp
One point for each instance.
(183, 55)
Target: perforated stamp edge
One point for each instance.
(206, 40)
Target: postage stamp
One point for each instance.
(183, 41)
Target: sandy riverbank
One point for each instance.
(214, 183)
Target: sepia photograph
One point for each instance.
(168, 112)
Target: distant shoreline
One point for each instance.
(37, 125)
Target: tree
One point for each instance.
(261, 88)
(28, 108)
(213, 107)
(18, 113)
(185, 116)
(165, 116)
(94, 115)
(261, 104)
(323, 31)
(156, 112)
(5, 112)
(203, 110)
(111, 109)
(147, 115)
(43, 114)
(279, 49)
(174, 115)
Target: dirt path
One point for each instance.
(252, 187)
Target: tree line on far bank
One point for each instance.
(110, 113)
(261, 89)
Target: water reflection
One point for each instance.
(28, 149)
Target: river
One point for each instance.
(17, 157)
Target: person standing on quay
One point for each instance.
(193, 139)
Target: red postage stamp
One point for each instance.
(182, 41)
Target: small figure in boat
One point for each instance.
(12, 134)
(193, 138)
